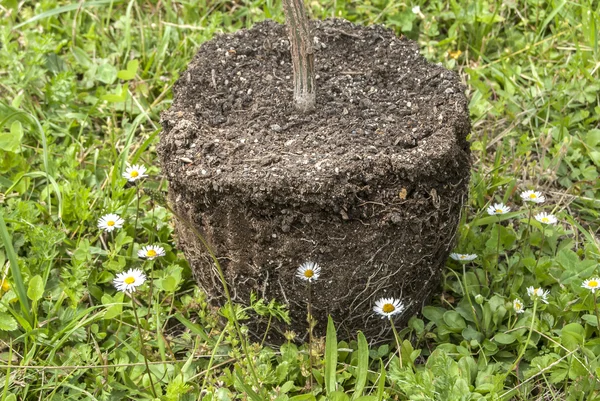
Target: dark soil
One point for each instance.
(370, 185)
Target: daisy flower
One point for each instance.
(135, 172)
(546, 218)
(129, 280)
(538, 293)
(463, 257)
(533, 196)
(388, 307)
(309, 271)
(498, 208)
(591, 284)
(518, 305)
(151, 252)
(110, 221)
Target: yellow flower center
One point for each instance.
(518, 305)
(151, 253)
(5, 286)
(591, 283)
(545, 219)
(463, 256)
(129, 280)
(110, 223)
(388, 308)
(309, 273)
(498, 210)
(134, 174)
(532, 196)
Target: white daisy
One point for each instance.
(538, 293)
(135, 172)
(151, 252)
(533, 196)
(546, 218)
(518, 306)
(498, 208)
(388, 307)
(592, 284)
(463, 257)
(309, 271)
(110, 221)
(128, 280)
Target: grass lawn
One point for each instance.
(82, 86)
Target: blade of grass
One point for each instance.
(14, 268)
(381, 382)
(66, 9)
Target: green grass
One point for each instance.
(82, 85)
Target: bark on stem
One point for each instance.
(302, 54)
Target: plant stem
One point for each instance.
(528, 228)
(137, 212)
(309, 319)
(596, 309)
(522, 352)
(498, 247)
(142, 345)
(397, 337)
(302, 54)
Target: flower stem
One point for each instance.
(498, 246)
(397, 337)
(596, 309)
(142, 345)
(137, 212)
(309, 319)
(522, 352)
(528, 228)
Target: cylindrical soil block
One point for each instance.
(369, 186)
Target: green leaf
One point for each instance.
(11, 141)
(338, 396)
(434, 314)
(35, 290)
(303, 397)
(503, 338)
(116, 98)
(129, 73)
(592, 320)
(454, 320)
(106, 74)
(330, 357)
(169, 284)
(7, 322)
(362, 367)
(572, 336)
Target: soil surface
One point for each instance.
(369, 185)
